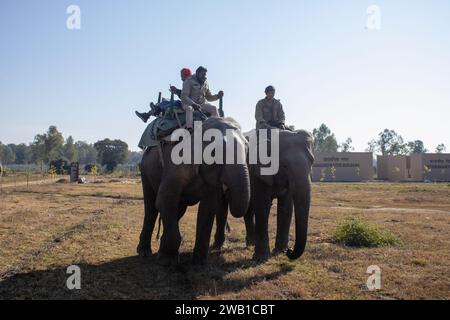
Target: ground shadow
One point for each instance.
(135, 278)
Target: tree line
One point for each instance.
(51, 147)
(388, 142)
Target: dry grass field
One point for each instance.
(46, 228)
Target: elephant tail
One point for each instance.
(159, 228)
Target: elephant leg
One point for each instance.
(249, 219)
(181, 211)
(205, 220)
(221, 223)
(284, 218)
(168, 204)
(262, 203)
(144, 248)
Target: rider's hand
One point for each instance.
(220, 94)
(197, 107)
(173, 89)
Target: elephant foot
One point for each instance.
(261, 255)
(167, 260)
(199, 261)
(217, 246)
(250, 241)
(277, 251)
(144, 251)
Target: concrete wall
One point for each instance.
(430, 166)
(343, 166)
(417, 167)
(382, 168)
(416, 170)
(392, 168)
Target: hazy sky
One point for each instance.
(327, 67)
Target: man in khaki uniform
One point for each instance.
(269, 111)
(195, 95)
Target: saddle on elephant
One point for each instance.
(172, 117)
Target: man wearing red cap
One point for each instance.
(184, 73)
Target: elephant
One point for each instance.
(291, 186)
(169, 188)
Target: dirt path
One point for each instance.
(30, 183)
(384, 209)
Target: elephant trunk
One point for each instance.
(236, 178)
(301, 194)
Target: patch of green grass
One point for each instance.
(286, 266)
(355, 232)
(419, 263)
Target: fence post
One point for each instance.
(1, 179)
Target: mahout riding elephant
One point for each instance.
(291, 186)
(170, 188)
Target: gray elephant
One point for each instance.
(291, 186)
(170, 188)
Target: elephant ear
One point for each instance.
(307, 141)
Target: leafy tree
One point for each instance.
(324, 140)
(87, 154)
(372, 146)
(8, 155)
(416, 147)
(38, 148)
(391, 143)
(91, 169)
(347, 145)
(47, 147)
(53, 143)
(70, 150)
(134, 158)
(60, 166)
(441, 148)
(111, 153)
(1, 152)
(22, 152)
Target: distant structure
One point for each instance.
(393, 168)
(434, 167)
(343, 167)
(74, 172)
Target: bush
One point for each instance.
(92, 169)
(61, 166)
(355, 232)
